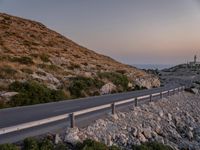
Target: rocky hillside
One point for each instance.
(174, 122)
(30, 51)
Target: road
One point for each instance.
(18, 115)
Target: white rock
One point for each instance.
(72, 135)
(107, 88)
(57, 139)
(141, 137)
(8, 94)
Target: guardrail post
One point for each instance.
(72, 120)
(150, 98)
(136, 102)
(168, 93)
(113, 108)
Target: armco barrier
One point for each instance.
(77, 113)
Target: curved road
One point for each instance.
(18, 115)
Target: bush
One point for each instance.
(31, 144)
(91, 145)
(8, 147)
(27, 70)
(80, 85)
(22, 60)
(151, 146)
(7, 72)
(46, 144)
(44, 57)
(118, 79)
(33, 93)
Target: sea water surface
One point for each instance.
(153, 66)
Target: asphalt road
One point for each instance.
(14, 116)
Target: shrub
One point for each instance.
(151, 146)
(117, 78)
(23, 60)
(7, 71)
(8, 147)
(44, 57)
(27, 70)
(81, 84)
(31, 144)
(33, 93)
(46, 144)
(89, 144)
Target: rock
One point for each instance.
(72, 135)
(108, 140)
(141, 137)
(57, 139)
(161, 113)
(147, 133)
(134, 131)
(194, 90)
(8, 94)
(107, 88)
(190, 135)
(169, 117)
(147, 82)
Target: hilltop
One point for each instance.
(29, 51)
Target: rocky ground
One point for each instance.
(174, 121)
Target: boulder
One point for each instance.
(72, 135)
(107, 88)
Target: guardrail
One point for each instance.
(81, 112)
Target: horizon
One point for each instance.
(133, 32)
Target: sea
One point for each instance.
(153, 66)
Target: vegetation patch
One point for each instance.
(32, 92)
(7, 72)
(151, 146)
(44, 57)
(27, 70)
(118, 79)
(23, 60)
(82, 85)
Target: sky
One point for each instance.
(130, 31)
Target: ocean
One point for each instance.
(153, 66)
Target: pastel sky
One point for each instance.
(131, 31)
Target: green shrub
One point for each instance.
(31, 144)
(46, 144)
(27, 70)
(32, 92)
(91, 145)
(44, 57)
(8, 147)
(7, 72)
(151, 146)
(23, 60)
(80, 85)
(118, 79)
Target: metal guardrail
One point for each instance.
(77, 113)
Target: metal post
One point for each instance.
(150, 98)
(72, 120)
(113, 108)
(136, 102)
(168, 93)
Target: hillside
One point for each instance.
(29, 51)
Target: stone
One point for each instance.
(169, 117)
(107, 88)
(147, 133)
(190, 135)
(8, 94)
(141, 137)
(194, 90)
(161, 113)
(72, 135)
(57, 139)
(134, 131)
